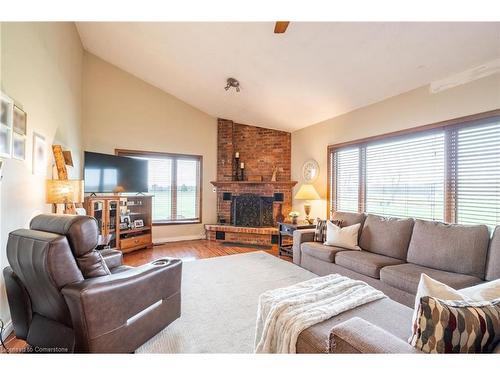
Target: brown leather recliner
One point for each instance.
(63, 296)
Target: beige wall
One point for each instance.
(122, 111)
(41, 65)
(411, 109)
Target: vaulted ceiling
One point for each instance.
(313, 72)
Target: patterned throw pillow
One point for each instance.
(457, 326)
(320, 231)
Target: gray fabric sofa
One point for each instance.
(395, 252)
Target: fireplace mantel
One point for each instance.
(226, 183)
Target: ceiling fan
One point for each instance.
(280, 27)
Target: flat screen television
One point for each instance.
(104, 173)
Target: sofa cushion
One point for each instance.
(316, 339)
(407, 276)
(320, 251)
(386, 236)
(348, 218)
(493, 258)
(449, 247)
(364, 262)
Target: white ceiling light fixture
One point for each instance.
(232, 82)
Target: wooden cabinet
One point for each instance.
(125, 220)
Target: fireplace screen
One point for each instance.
(251, 210)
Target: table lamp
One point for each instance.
(64, 192)
(308, 193)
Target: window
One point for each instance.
(447, 172)
(478, 174)
(406, 177)
(175, 183)
(347, 179)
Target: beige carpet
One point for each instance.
(219, 303)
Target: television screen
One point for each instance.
(104, 173)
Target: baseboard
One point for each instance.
(7, 330)
(159, 241)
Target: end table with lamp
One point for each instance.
(286, 230)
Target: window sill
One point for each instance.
(178, 222)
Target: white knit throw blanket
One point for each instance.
(284, 313)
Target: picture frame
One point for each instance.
(6, 118)
(139, 223)
(19, 121)
(5, 141)
(39, 154)
(18, 146)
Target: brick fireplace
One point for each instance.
(247, 211)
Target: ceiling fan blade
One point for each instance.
(280, 27)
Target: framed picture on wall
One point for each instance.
(5, 141)
(18, 146)
(6, 116)
(19, 121)
(39, 154)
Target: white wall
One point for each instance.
(408, 110)
(41, 66)
(122, 111)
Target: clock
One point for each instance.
(310, 170)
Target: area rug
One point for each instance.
(219, 303)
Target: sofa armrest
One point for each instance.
(356, 335)
(299, 237)
(102, 305)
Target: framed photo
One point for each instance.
(138, 223)
(18, 146)
(5, 141)
(6, 115)
(6, 110)
(39, 155)
(19, 121)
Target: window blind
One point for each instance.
(346, 167)
(405, 177)
(160, 185)
(478, 174)
(187, 189)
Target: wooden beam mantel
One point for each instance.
(226, 183)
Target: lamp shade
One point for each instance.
(64, 191)
(307, 192)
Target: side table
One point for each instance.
(286, 230)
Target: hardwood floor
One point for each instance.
(191, 250)
(186, 250)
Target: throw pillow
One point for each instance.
(428, 287)
(457, 326)
(320, 230)
(483, 292)
(433, 288)
(346, 237)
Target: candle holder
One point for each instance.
(242, 174)
(236, 166)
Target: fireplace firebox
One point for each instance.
(252, 210)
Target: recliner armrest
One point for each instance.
(299, 237)
(356, 335)
(112, 258)
(103, 304)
